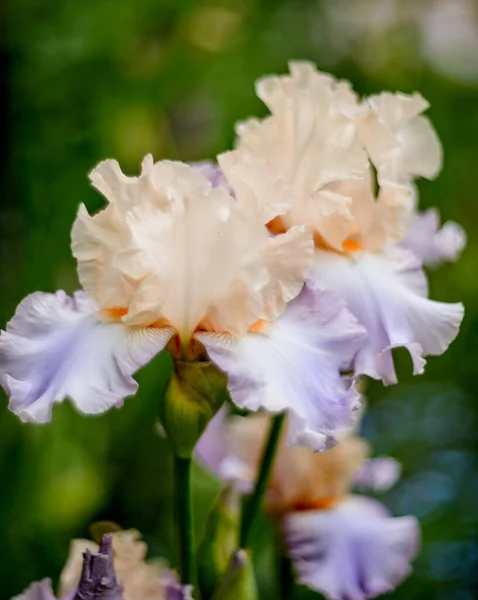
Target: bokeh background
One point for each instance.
(87, 80)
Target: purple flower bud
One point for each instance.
(98, 579)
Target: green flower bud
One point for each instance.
(239, 582)
(221, 539)
(194, 394)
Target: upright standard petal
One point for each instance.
(387, 293)
(402, 143)
(354, 551)
(57, 347)
(170, 247)
(434, 245)
(294, 364)
(307, 146)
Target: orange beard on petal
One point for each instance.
(351, 246)
(260, 326)
(115, 312)
(277, 226)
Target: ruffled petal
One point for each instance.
(259, 190)
(56, 346)
(308, 144)
(387, 293)
(434, 245)
(294, 364)
(402, 143)
(171, 247)
(352, 552)
(41, 590)
(378, 474)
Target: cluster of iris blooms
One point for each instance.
(277, 278)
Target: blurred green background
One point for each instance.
(87, 80)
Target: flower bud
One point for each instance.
(221, 539)
(98, 578)
(239, 582)
(194, 394)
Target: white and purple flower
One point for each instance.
(323, 149)
(345, 546)
(175, 262)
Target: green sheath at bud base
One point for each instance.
(239, 582)
(221, 538)
(194, 394)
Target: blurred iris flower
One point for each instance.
(341, 544)
(114, 570)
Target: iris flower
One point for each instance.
(347, 169)
(344, 545)
(114, 570)
(174, 262)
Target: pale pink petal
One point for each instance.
(306, 145)
(354, 551)
(259, 190)
(378, 474)
(294, 364)
(172, 247)
(57, 347)
(401, 143)
(432, 244)
(387, 293)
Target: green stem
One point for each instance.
(182, 481)
(265, 467)
(286, 578)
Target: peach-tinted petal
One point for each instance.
(171, 247)
(402, 143)
(308, 143)
(231, 449)
(142, 580)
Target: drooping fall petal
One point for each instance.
(57, 346)
(294, 365)
(353, 551)
(387, 294)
